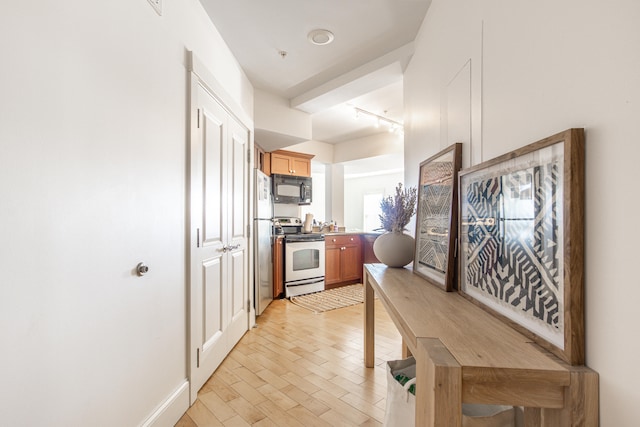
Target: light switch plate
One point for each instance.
(157, 5)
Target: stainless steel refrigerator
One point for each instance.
(263, 240)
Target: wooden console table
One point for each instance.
(464, 354)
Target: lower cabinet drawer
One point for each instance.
(342, 240)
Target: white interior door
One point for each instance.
(238, 238)
(218, 247)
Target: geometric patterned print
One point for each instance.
(437, 173)
(435, 193)
(513, 255)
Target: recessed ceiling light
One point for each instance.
(320, 37)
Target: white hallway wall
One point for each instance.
(92, 181)
(542, 67)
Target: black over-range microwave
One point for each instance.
(291, 189)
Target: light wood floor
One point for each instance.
(297, 368)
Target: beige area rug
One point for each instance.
(331, 299)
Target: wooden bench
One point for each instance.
(466, 355)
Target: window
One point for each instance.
(372, 211)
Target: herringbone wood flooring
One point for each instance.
(297, 368)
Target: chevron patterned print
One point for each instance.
(435, 205)
(512, 249)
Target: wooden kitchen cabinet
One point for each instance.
(278, 267)
(332, 264)
(262, 160)
(343, 260)
(290, 163)
(367, 248)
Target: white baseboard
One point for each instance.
(171, 410)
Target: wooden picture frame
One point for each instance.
(436, 220)
(521, 243)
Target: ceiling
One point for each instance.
(362, 67)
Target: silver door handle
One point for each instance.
(230, 248)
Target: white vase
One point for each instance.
(394, 248)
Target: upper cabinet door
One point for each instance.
(281, 164)
(291, 163)
(301, 167)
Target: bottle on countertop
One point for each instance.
(334, 226)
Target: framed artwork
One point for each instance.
(436, 221)
(522, 244)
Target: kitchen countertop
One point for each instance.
(342, 233)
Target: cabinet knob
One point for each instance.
(333, 240)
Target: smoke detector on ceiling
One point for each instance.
(320, 37)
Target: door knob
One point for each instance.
(142, 269)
